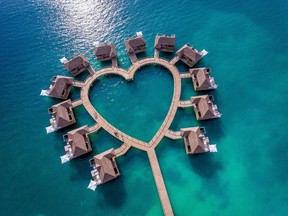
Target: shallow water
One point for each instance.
(247, 44)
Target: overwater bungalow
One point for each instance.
(202, 80)
(78, 142)
(104, 167)
(62, 116)
(195, 140)
(135, 44)
(105, 51)
(77, 65)
(204, 108)
(60, 87)
(190, 55)
(165, 43)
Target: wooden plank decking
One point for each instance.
(133, 57)
(94, 128)
(184, 104)
(76, 103)
(164, 198)
(174, 60)
(78, 84)
(185, 75)
(127, 140)
(173, 134)
(114, 62)
(156, 53)
(122, 149)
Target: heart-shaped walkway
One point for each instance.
(127, 140)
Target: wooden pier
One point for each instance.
(114, 62)
(122, 149)
(76, 103)
(164, 198)
(184, 104)
(156, 53)
(173, 134)
(127, 140)
(185, 75)
(94, 128)
(174, 60)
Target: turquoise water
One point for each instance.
(143, 102)
(247, 44)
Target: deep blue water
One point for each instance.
(248, 49)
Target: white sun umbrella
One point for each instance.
(44, 93)
(139, 34)
(92, 185)
(204, 52)
(63, 60)
(96, 43)
(50, 129)
(213, 148)
(65, 158)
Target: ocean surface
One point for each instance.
(248, 50)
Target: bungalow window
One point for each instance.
(189, 148)
(87, 146)
(63, 92)
(115, 170)
(70, 117)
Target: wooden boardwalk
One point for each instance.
(122, 149)
(185, 75)
(90, 70)
(127, 140)
(156, 53)
(78, 84)
(165, 202)
(114, 62)
(76, 103)
(184, 104)
(174, 60)
(133, 57)
(94, 128)
(173, 134)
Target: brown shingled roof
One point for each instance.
(201, 79)
(63, 114)
(60, 87)
(106, 165)
(135, 44)
(77, 65)
(194, 140)
(105, 52)
(165, 43)
(189, 55)
(203, 107)
(79, 141)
